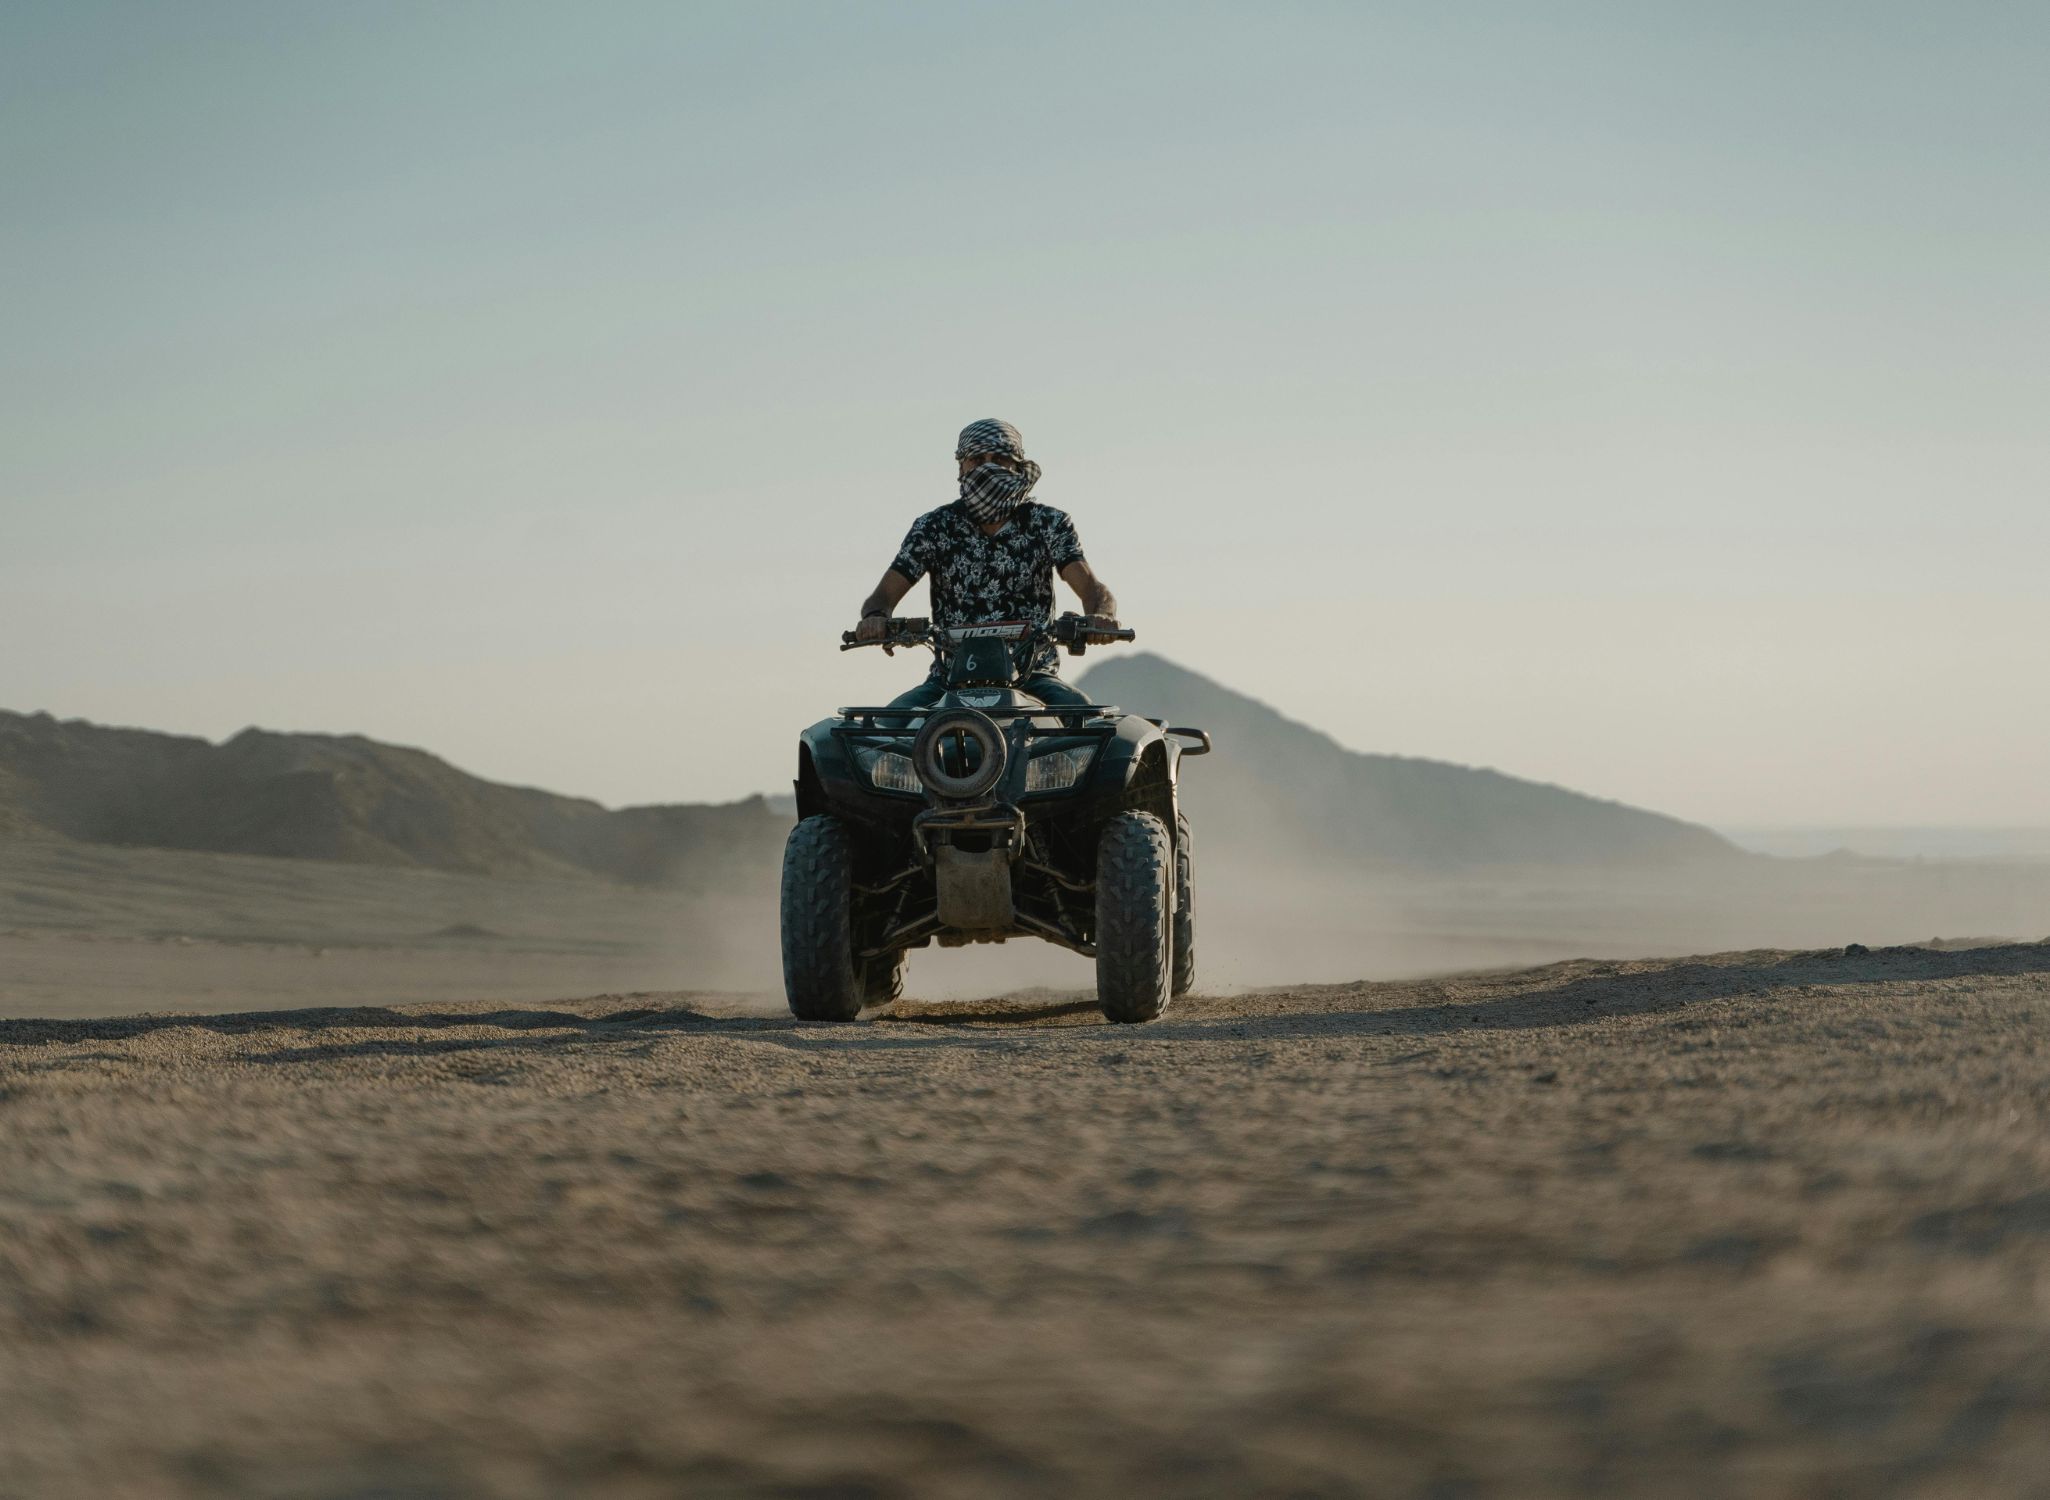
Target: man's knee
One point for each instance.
(924, 696)
(1053, 692)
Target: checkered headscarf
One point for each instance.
(990, 493)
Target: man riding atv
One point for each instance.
(992, 801)
(992, 555)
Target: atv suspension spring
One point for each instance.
(891, 884)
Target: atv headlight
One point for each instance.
(1057, 770)
(893, 773)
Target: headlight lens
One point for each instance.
(893, 773)
(1057, 769)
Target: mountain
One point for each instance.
(1275, 790)
(1276, 787)
(344, 797)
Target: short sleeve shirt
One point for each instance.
(979, 578)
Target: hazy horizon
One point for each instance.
(1649, 405)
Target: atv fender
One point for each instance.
(1139, 772)
(812, 747)
(829, 781)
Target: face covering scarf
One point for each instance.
(991, 492)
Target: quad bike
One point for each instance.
(988, 816)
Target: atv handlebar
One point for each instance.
(1071, 630)
(898, 630)
(1074, 632)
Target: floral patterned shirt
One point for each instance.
(978, 578)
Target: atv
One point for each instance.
(988, 816)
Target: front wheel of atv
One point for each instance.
(821, 977)
(1134, 917)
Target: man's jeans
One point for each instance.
(1044, 686)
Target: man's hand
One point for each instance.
(871, 632)
(874, 628)
(1096, 625)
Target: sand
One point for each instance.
(96, 930)
(1756, 1225)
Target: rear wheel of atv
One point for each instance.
(821, 978)
(1134, 917)
(882, 978)
(1184, 911)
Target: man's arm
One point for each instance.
(875, 609)
(1095, 595)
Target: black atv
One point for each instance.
(988, 816)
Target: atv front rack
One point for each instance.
(865, 718)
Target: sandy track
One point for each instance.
(1763, 1224)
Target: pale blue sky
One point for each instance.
(1645, 398)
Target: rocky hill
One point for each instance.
(1284, 789)
(1274, 788)
(344, 797)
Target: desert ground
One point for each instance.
(99, 930)
(1759, 1224)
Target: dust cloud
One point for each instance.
(1261, 922)
(97, 930)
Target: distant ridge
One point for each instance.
(344, 797)
(1275, 789)
(1280, 787)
